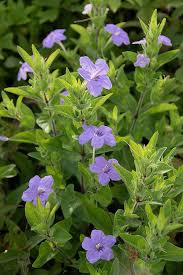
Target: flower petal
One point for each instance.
(109, 139)
(87, 135)
(109, 240)
(107, 254)
(101, 67)
(86, 63)
(99, 164)
(104, 178)
(92, 256)
(97, 236)
(84, 74)
(87, 244)
(94, 87)
(105, 82)
(97, 142)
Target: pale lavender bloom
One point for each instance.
(87, 9)
(98, 136)
(142, 61)
(53, 37)
(162, 39)
(24, 69)
(4, 138)
(38, 187)
(64, 93)
(105, 170)
(95, 75)
(99, 246)
(119, 36)
(140, 42)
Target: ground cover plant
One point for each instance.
(91, 138)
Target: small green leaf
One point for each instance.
(46, 253)
(136, 241)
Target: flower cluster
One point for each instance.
(95, 75)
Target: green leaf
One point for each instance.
(167, 57)
(59, 233)
(163, 107)
(52, 57)
(171, 253)
(114, 5)
(103, 196)
(46, 253)
(99, 101)
(136, 241)
(100, 218)
(152, 143)
(25, 56)
(25, 137)
(64, 110)
(8, 171)
(70, 201)
(126, 177)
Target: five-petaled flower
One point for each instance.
(142, 61)
(95, 75)
(119, 36)
(162, 39)
(98, 135)
(105, 170)
(53, 37)
(99, 246)
(38, 187)
(24, 69)
(87, 9)
(64, 93)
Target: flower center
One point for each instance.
(99, 246)
(106, 168)
(40, 190)
(99, 133)
(117, 33)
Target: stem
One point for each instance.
(81, 178)
(52, 121)
(138, 109)
(93, 155)
(62, 47)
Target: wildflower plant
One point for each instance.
(107, 198)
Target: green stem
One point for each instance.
(138, 109)
(62, 47)
(93, 155)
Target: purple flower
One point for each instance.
(53, 37)
(105, 170)
(95, 75)
(24, 69)
(38, 187)
(142, 61)
(162, 39)
(64, 93)
(98, 136)
(98, 246)
(87, 9)
(4, 138)
(119, 36)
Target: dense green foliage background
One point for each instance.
(27, 22)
